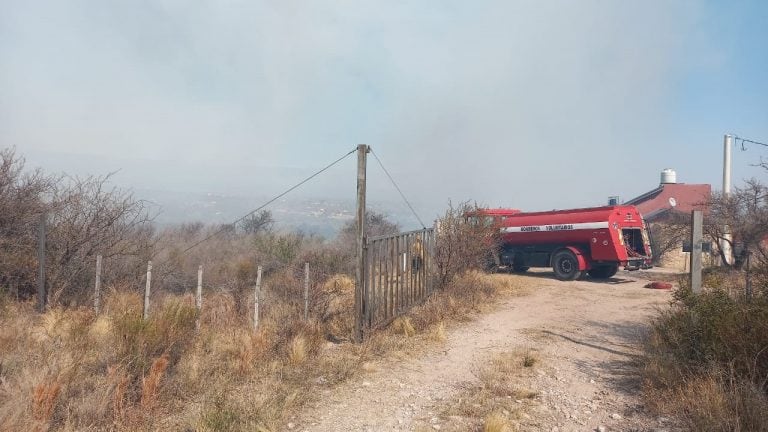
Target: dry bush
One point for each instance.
(404, 326)
(86, 217)
(745, 214)
(462, 246)
(668, 235)
(706, 361)
(21, 203)
(464, 296)
(713, 402)
(335, 306)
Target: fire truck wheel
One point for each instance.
(603, 272)
(565, 265)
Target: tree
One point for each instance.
(89, 218)
(376, 224)
(668, 234)
(86, 218)
(21, 204)
(740, 220)
(260, 222)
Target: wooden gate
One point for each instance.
(397, 275)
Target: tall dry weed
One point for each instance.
(297, 352)
(220, 311)
(119, 381)
(44, 398)
(151, 383)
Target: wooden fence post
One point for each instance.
(306, 291)
(199, 296)
(146, 290)
(97, 289)
(256, 295)
(697, 219)
(362, 160)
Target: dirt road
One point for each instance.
(585, 333)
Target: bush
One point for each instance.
(708, 358)
(461, 246)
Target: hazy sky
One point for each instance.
(531, 104)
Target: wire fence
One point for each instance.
(298, 291)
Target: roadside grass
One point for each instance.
(497, 400)
(74, 370)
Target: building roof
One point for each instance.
(672, 196)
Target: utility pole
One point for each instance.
(725, 243)
(362, 157)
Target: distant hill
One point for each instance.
(324, 217)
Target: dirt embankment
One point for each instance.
(584, 336)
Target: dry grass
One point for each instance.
(496, 422)
(73, 370)
(438, 332)
(297, 353)
(497, 400)
(44, 398)
(705, 362)
(151, 383)
(404, 325)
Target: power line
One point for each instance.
(286, 192)
(744, 141)
(398, 188)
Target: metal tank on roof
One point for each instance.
(668, 176)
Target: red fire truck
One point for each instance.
(596, 241)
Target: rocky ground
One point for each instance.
(585, 336)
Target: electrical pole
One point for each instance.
(362, 157)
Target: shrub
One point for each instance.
(707, 361)
(462, 246)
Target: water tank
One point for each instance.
(613, 200)
(668, 175)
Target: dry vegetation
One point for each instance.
(707, 358)
(707, 355)
(72, 369)
(497, 401)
